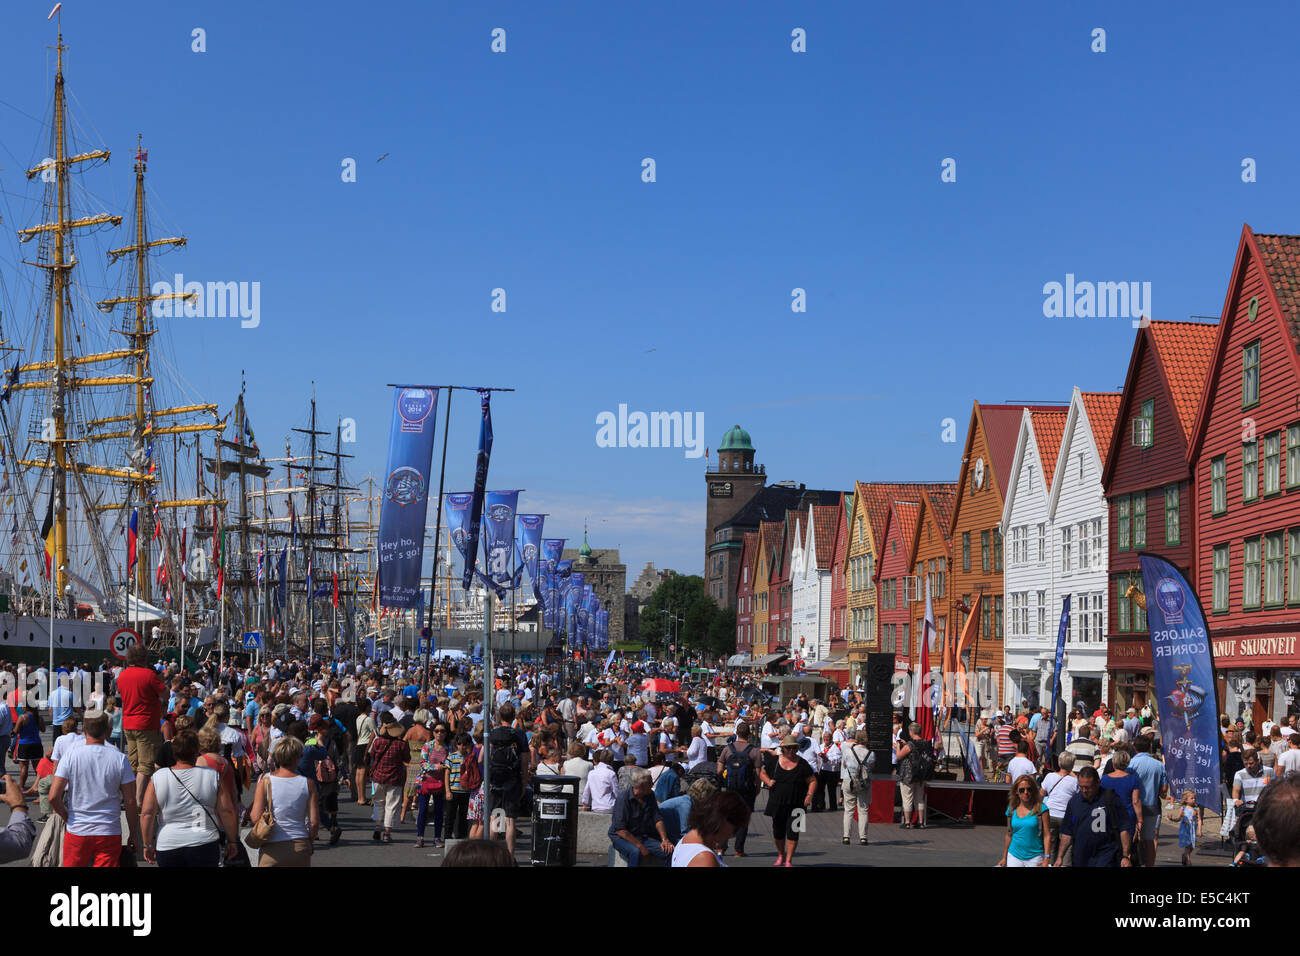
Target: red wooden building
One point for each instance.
(1245, 452)
(893, 613)
(1149, 489)
(745, 595)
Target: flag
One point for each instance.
(130, 543)
(249, 440)
(968, 632)
(480, 486)
(282, 574)
(335, 575)
(259, 567)
(925, 715)
(1056, 670)
(184, 554)
(47, 532)
(609, 660)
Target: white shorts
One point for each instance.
(1033, 861)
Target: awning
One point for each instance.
(738, 660)
(834, 662)
(767, 659)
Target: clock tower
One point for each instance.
(732, 483)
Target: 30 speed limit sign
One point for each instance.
(122, 640)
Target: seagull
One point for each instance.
(651, 350)
(382, 158)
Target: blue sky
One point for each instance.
(775, 170)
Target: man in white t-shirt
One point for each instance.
(96, 780)
(1289, 761)
(1020, 763)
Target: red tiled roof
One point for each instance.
(941, 505)
(1280, 256)
(906, 514)
(1002, 430)
(878, 495)
(770, 534)
(1049, 429)
(825, 521)
(749, 547)
(1102, 409)
(1185, 351)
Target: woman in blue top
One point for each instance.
(1127, 787)
(28, 750)
(1028, 837)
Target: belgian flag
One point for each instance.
(47, 533)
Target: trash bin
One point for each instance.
(555, 821)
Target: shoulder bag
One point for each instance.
(260, 835)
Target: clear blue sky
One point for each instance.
(775, 170)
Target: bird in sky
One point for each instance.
(382, 158)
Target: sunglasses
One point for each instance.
(1024, 790)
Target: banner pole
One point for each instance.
(437, 532)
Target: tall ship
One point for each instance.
(100, 443)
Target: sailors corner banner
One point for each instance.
(528, 545)
(499, 537)
(1060, 656)
(480, 484)
(1183, 667)
(561, 576)
(406, 496)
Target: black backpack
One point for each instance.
(740, 770)
(503, 757)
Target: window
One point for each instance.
(1122, 602)
(1079, 613)
(1031, 477)
(1250, 574)
(965, 550)
(1015, 615)
(1084, 541)
(1219, 599)
(1042, 613)
(1173, 527)
(860, 530)
(1124, 504)
(1219, 485)
(986, 618)
(997, 615)
(887, 635)
(1017, 542)
(1042, 542)
(1292, 456)
(1293, 567)
(1081, 466)
(1249, 470)
(997, 550)
(1140, 520)
(943, 576)
(1143, 428)
(1250, 375)
(1067, 550)
(1097, 538)
(984, 551)
(1273, 569)
(903, 645)
(1273, 463)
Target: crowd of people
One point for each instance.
(182, 768)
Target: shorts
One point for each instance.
(786, 825)
(1150, 822)
(359, 757)
(32, 752)
(508, 800)
(142, 749)
(1013, 860)
(91, 850)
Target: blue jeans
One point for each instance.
(422, 811)
(632, 853)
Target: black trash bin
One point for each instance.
(555, 821)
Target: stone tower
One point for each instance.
(732, 484)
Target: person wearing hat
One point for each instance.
(1131, 723)
(793, 783)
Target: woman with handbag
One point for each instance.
(182, 805)
(285, 814)
(415, 738)
(432, 787)
(389, 754)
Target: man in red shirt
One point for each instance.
(143, 697)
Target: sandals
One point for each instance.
(387, 838)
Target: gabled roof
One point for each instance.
(938, 505)
(1184, 351)
(772, 503)
(1279, 259)
(878, 495)
(825, 521)
(770, 543)
(1001, 425)
(749, 556)
(1049, 429)
(1102, 409)
(900, 519)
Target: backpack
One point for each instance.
(740, 769)
(860, 778)
(471, 774)
(503, 757)
(327, 770)
(918, 766)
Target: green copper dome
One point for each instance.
(585, 550)
(737, 439)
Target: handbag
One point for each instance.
(431, 785)
(241, 858)
(260, 835)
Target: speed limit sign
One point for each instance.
(122, 640)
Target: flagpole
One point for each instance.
(184, 581)
(437, 531)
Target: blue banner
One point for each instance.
(602, 630)
(972, 752)
(528, 546)
(456, 509)
(480, 487)
(499, 537)
(405, 501)
(1183, 666)
(1046, 737)
(558, 573)
(572, 595)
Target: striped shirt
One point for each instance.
(1006, 747)
(1252, 787)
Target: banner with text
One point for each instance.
(499, 537)
(405, 501)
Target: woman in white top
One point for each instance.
(578, 765)
(550, 763)
(293, 805)
(182, 805)
(698, 751)
(713, 822)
